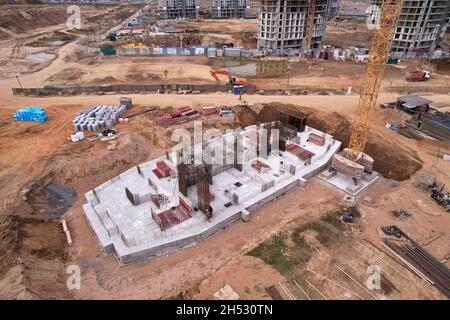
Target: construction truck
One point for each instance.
(233, 81)
(416, 76)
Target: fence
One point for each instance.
(162, 51)
(125, 89)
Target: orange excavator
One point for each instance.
(232, 80)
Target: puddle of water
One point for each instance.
(41, 56)
(251, 68)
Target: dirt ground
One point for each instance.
(348, 33)
(87, 164)
(33, 253)
(32, 35)
(240, 32)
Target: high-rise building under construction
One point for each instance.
(283, 24)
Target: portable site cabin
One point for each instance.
(413, 104)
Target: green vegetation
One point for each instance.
(288, 250)
(284, 257)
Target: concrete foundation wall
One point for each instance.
(176, 245)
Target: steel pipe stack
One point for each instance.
(427, 265)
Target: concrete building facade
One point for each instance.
(333, 9)
(421, 25)
(230, 8)
(179, 9)
(282, 24)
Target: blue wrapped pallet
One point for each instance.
(31, 114)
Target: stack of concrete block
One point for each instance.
(98, 117)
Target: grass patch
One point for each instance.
(288, 250)
(285, 258)
(334, 218)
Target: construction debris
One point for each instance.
(226, 112)
(393, 232)
(226, 293)
(348, 217)
(67, 232)
(402, 213)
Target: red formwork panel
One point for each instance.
(316, 139)
(259, 165)
(300, 152)
(170, 218)
(162, 169)
(183, 205)
(185, 109)
(209, 110)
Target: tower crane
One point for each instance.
(310, 23)
(378, 56)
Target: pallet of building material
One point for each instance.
(185, 109)
(316, 139)
(193, 115)
(98, 117)
(209, 110)
(347, 167)
(164, 121)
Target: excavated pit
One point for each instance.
(391, 161)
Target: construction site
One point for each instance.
(226, 150)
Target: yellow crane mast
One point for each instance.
(378, 56)
(310, 23)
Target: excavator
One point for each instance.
(231, 80)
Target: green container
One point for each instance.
(108, 51)
(392, 61)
